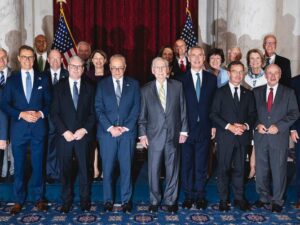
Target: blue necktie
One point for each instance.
(118, 91)
(2, 79)
(55, 79)
(75, 94)
(28, 86)
(198, 86)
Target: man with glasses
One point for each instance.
(117, 106)
(162, 127)
(26, 101)
(73, 116)
(269, 45)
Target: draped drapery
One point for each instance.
(134, 28)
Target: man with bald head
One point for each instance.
(40, 62)
(55, 73)
(277, 110)
(73, 116)
(181, 62)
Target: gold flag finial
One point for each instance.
(61, 2)
(187, 8)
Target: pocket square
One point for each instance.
(40, 87)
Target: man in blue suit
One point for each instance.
(117, 105)
(199, 88)
(26, 101)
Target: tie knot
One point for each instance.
(118, 81)
(198, 74)
(55, 74)
(271, 89)
(27, 74)
(75, 83)
(236, 88)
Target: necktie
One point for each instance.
(182, 66)
(2, 79)
(118, 92)
(267, 61)
(75, 94)
(236, 97)
(162, 96)
(28, 86)
(270, 100)
(55, 79)
(41, 63)
(198, 86)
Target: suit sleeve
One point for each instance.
(133, 116)
(142, 122)
(184, 121)
(295, 125)
(215, 113)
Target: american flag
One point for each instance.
(188, 34)
(63, 40)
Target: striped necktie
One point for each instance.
(2, 79)
(118, 92)
(162, 96)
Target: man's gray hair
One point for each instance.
(155, 60)
(75, 57)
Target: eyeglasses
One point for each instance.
(117, 69)
(237, 72)
(25, 58)
(75, 67)
(160, 68)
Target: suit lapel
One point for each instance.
(228, 94)
(82, 95)
(19, 86)
(169, 97)
(68, 95)
(190, 81)
(277, 98)
(155, 94)
(111, 91)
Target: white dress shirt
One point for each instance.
(24, 75)
(116, 85)
(195, 77)
(52, 74)
(71, 83)
(274, 92)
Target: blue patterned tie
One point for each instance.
(198, 86)
(118, 91)
(28, 86)
(75, 94)
(2, 79)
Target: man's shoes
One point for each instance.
(41, 206)
(187, 204)
(65, 208)
(201, 204)
(241, 204)
(16, 209)
(153, 208)
(276, 208)
(85, 206)
(223, 206)
(260, 204)
(298, 205)
(127, 207)
(108, 206)
(172, 208)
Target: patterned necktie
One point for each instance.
(162, 96)
(41, 63)
(75, 94)
(270, 100)
(182, 66)
(118, 92)
(236, 97)
(55, 79)
(2, 79)
(267, 61)
(198, 86)
(28, 86)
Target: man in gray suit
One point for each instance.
(277, 110)
(162, 127)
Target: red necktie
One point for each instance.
(270, 100)
(182, 66)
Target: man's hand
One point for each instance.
(236, 130)
(116, 131)
(240, 125)
(29, 116)
(273, 129)
(144, 141)
(69, 136)
(3, 144)
(262, 129)
(182, 139)
(213, 133)
(294, 136)
(79, 134)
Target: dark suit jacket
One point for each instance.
(36, 65)
(285, 66)
(158, 125)
(295, 84)
(63, 74)
(176, 68)
(224, 111)
(63, 113)
(107, 111)
(200, 109)
(283, 114)
(14, 102)
(3, 116)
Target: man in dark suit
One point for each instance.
(277, 110)
(5, 72)
(233, 113)
(26, 100)
(117, 106)
(295, 131)
(84, 51)
(162, 127)
(55, 73)
(40, 62)
(73, 115)
(269, 45)
(181, 63)
(199, 88)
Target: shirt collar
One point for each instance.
(57, 71)
(232, 86)
(194, 72)
(24, 71)
(274, 87)
(72, 80)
